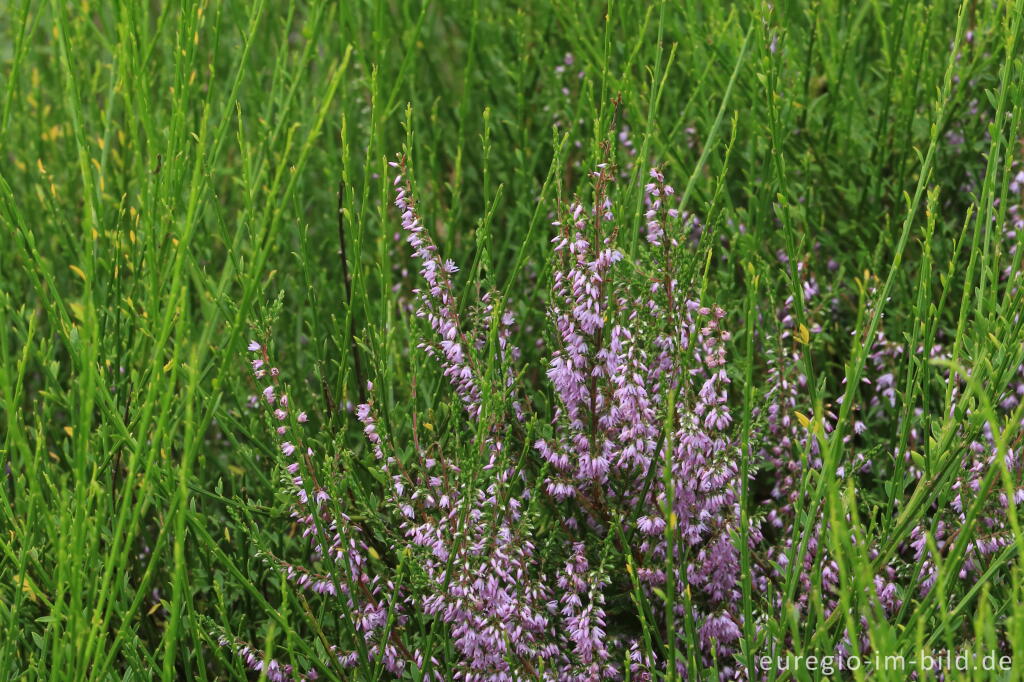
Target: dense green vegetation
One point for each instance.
(177, 178)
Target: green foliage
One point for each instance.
(178, 177)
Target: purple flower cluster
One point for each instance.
(476, 561)
(375, 616)
(789, 448)
(625, 353)
(581, 604)
(257, 661)
(437, 302)
(992, 531)
(620, 353)
(943, 524)
(658, 196)
(506, 556)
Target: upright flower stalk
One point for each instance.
(623, 346)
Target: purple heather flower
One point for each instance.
(437, 303)
(620, 350)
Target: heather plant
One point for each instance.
(641, 445)
(642, 422)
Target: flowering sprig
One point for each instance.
(437, 303)
(581, 605)
(255, 660)
(368, 597)
(620, 353)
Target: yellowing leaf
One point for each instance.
(803, 335)
(77, 270)
(26, 587)
(70, 431)
(802, 418)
